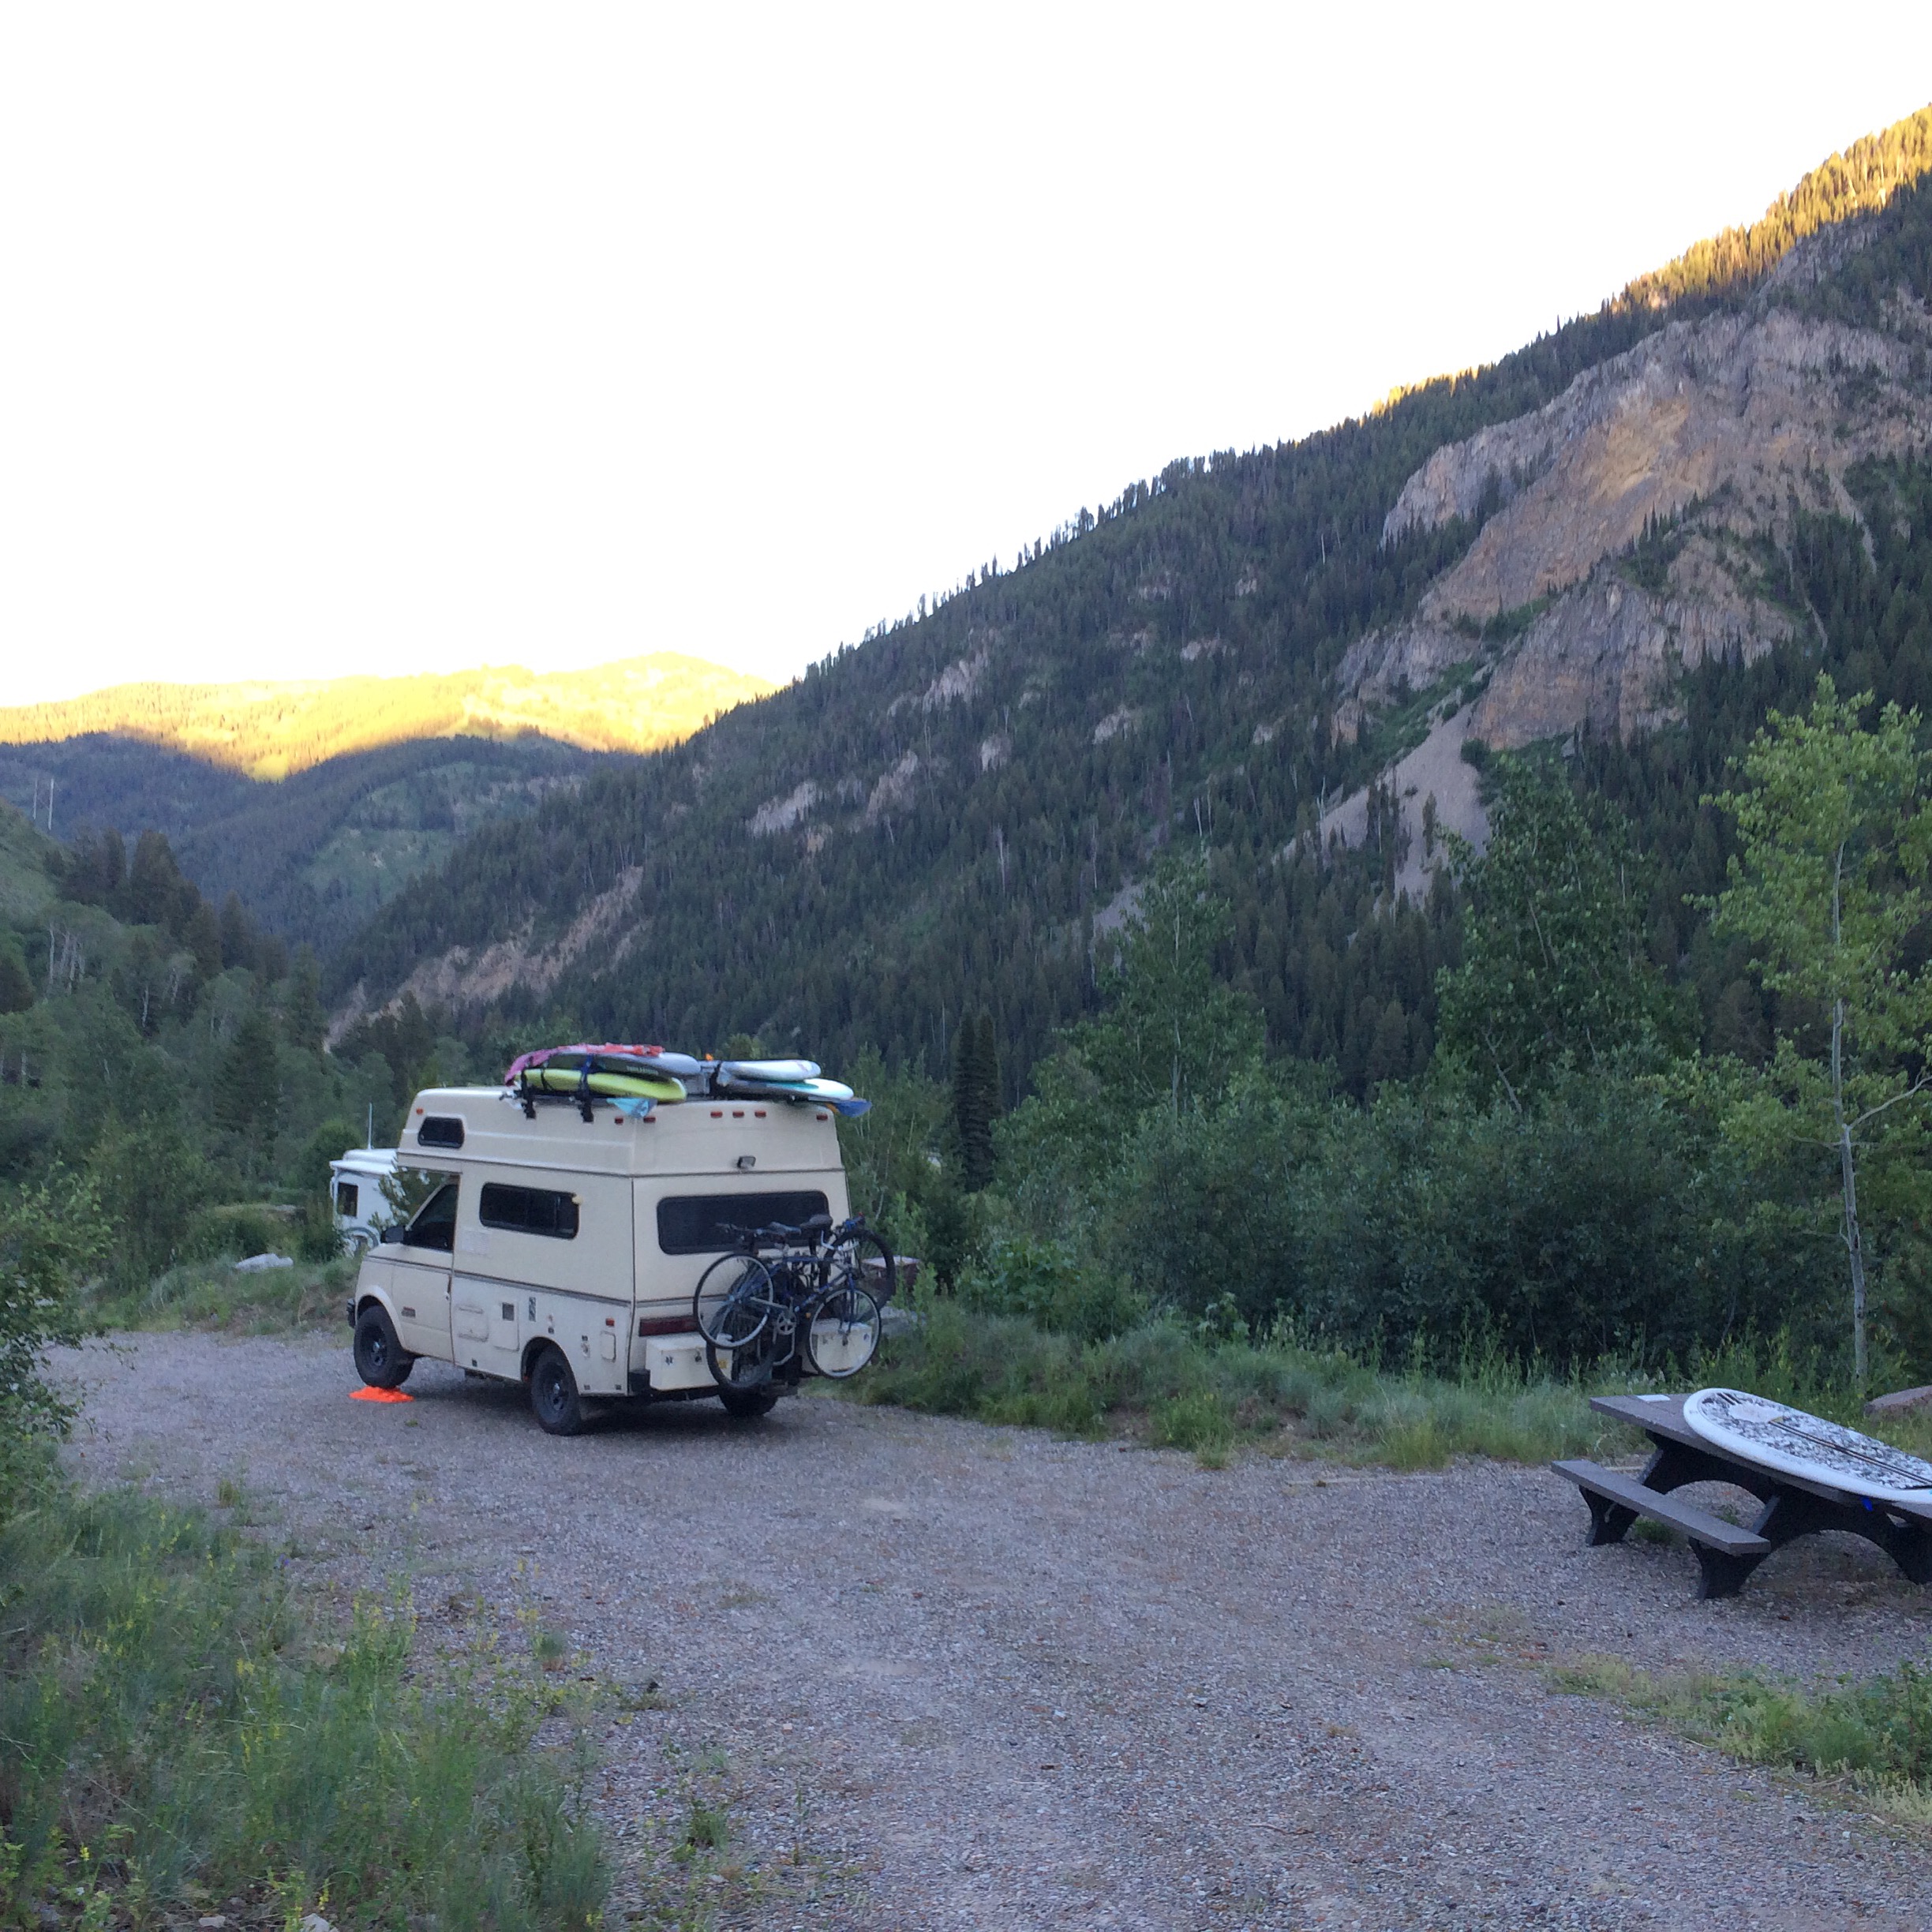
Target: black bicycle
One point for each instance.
(790, 1301)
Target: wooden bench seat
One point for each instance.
(1726, 1554)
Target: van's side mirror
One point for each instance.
(393, 1234)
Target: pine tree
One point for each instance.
(17, 990)
(303, 1023)
(247, 1089)
(987, 1078)
(973, 1098)
(237, 937)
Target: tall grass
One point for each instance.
(1189, 1387)
(171, 1732)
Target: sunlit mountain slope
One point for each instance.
(952, 816)
(270, 730)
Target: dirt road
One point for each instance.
(936, 1674)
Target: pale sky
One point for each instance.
(395, 338)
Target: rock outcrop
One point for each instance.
(1710, 430)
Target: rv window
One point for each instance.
(528, 1210)
(435, 1224)
(698, 1223)
(443, 1130)
(346, 1197)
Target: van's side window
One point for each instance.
(443, 1130)
(435, 1224)
(704, 1223)
(528, 1210)
(346, 1197)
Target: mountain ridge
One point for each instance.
(939, 820)
(268, 729)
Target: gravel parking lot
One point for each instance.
(936, 1674)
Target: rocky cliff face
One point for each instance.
(1715, 428)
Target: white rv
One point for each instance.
(562, 1249)
(358, 1195)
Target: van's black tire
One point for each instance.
(748, 1405)
(554, 1400)
(380, 1358)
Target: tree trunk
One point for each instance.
(1848, 1185)
(1847, 1176)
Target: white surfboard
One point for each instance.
(1797, 1444)
(757, 1073)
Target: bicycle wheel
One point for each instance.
(749, 1366)
(867, 1261)
(733, 1301)
(844, 1333)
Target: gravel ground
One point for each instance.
(937, 1674)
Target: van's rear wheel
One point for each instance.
(554, 1400)
(380, 1359)
(746, 1405)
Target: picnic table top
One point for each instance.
(1662, 1417)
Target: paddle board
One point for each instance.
(605, 1086)
(621, 1059)
(763, 1073)
(824, 1092)
(679, 1066)
(1798, 1444)
(804, 1089)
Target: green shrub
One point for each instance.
(1196, 1393)
(52, 1236)
(1054, 1285)
(1196, 1421)
(234, 1231)
(997, 1368)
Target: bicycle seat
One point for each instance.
(816, 1224)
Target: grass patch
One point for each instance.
(210, 1295)
(173, 1734)
(1176, 1388)
(1183, 1387)
(1871, 1735)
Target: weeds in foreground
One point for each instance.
(1874, 1736)
(173, 1734)
(1205, 1390)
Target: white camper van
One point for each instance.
(358, 1186)
(562, 1249)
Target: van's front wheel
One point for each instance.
(379, 1360)
(554, 1400)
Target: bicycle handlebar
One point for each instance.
(777, 1232)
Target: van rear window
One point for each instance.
(348, 1197)
(443, 1130)
(528, 1210)
(704, 1223)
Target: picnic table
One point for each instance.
(1727, 1553)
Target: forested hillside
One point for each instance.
(163, 1055)
(954, 814)
(1131, 844)
(313, 854)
